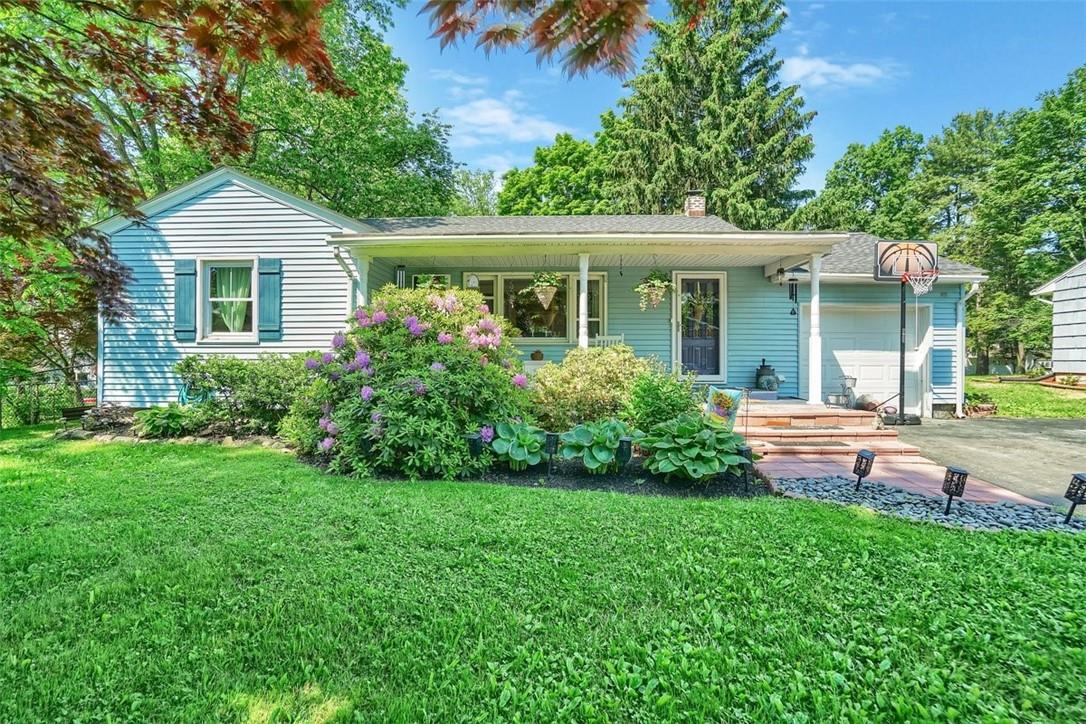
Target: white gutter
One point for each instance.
(959, 410)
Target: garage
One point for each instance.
(862, 342)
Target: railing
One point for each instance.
(38, 398)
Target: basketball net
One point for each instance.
(921, 281)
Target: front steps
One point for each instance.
(781, 430)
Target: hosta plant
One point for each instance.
(693, 447)
(518, 444)
(596, 445)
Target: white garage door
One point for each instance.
(862, 342)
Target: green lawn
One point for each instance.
(1026, 400)
(177, 582)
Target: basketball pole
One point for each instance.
(901, 357)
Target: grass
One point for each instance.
(175, 582)
(1016, 399)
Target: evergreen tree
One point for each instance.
(709, 112)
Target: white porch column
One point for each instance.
(361, 279)
(582, 304)
(814, 342)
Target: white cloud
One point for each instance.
(499, 163)
(458, 78)
(497, 120)
(816, 72)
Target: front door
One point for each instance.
(700, 324)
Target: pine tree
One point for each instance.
(709, 112)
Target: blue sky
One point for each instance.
(862, 65)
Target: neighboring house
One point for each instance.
(229, 265)
(1068, 298)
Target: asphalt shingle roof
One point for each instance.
(857, 256)
(514, 225)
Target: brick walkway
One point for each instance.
(913, 473)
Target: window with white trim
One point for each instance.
(229, 299)
(508, 295)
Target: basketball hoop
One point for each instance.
(921, 281)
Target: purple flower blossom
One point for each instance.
(327, 358)
(312, 364)
(420, 389)
(367, 371)
(447, 303)
(376, 417)
(362, 358)
(323, 423)
(414, 326)
(367, 394)
(338, 340)
(437, 367)
(361, 314)
(351, 366)
(483, 309)
(444, 338)
(333, 429)
(486, 433)
(334, 375)
(380, 316)
(327, 443)
(484, 334)
(520, 380)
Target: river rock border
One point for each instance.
(913, 506)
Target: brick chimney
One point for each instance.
(694, 205)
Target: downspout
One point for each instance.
(337, 252)
(959, 410)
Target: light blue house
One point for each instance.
(230, 265)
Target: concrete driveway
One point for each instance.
(1032, 457)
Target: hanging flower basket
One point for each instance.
(544, 286)
(653, 288)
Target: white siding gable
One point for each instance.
(230, 219)
(1069, 322)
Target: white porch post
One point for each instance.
(814, 342)
(362, 282)
(582, 304)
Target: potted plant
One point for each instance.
(545, 284)
(652, 288)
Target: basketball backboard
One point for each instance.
(894, 259)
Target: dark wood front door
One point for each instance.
(700, 325)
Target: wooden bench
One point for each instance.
(73, 414)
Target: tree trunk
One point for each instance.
(1020, 358)
(984, 362)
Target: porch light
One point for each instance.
(779, 276)
(401, 276)
(550, 446)
(862, 468)
(954, 485)
(475, 443)
(1076, 493)
(625, 451)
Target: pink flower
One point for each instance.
(366, 393)
(338, 340)
(483, 309)
(327, 443)
(486, 433)
(444, 338)
(332, 429)
(447, 303)
(484, 334)
(520, 380)
(380, 316)
(323, 423)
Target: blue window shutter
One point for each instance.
(270, 317)
(942, 367)
(184, 300)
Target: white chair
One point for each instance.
(607, 340)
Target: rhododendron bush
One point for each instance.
(397, 392)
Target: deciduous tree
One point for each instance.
(566, 178)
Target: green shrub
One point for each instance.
(254, 394)
(657, 396)
(589, 384)
(518, 444)
(596, 444)
(175, 420)
(416, 371)
(693, 447)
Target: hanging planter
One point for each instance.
(544, 286)
(653, 288)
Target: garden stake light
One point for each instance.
(747, 452)
(1076, 493)
(551, 448)
(862, 468)
(475, 443)
(954, 485)
(625, 451)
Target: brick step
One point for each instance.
(796, 433)
(882, 448)
(768, 417)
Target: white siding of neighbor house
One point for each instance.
(139, 352)
(1069, 323)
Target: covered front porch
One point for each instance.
(727, 310)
